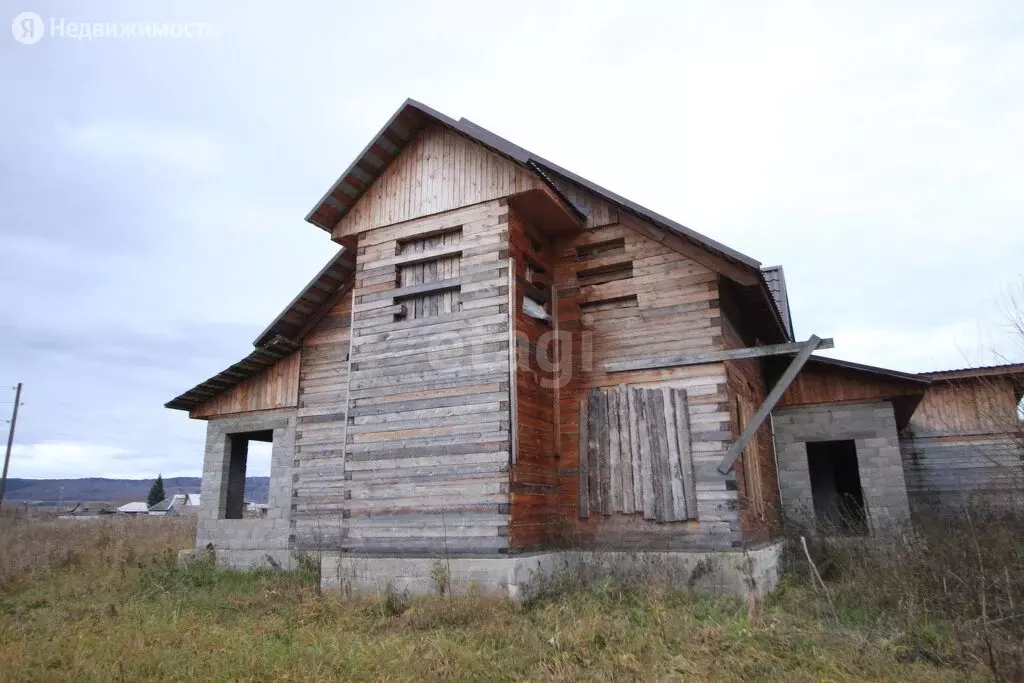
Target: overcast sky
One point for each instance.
(153, 189)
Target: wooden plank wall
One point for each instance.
(965, 440)
(944, 470)
(429, 435)
(829, 384)
(276, 387)
(756, 472)
(665, 304)
(438, 170)
(318, 475)
(534, 475)
(968, 406)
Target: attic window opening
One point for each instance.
(233, 506)
(441, 264)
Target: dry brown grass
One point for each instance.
(101, 548)
(106, 601)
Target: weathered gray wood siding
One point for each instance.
(965, 441)
(318, 474)
(428, 439)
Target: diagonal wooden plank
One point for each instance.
(769, 403)
(708, 357)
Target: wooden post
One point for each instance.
(10, 443)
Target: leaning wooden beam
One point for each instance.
(709, 357)
(769, 403)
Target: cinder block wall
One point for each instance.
(872, 427)
(247, 542)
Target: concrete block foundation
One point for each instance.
(716, 572)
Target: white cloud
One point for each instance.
(57, 459)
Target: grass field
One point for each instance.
(106, 601)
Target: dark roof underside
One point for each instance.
(256, 362)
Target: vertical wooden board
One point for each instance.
(593, 452)
(663, 472)
(583, 502)
(611, 398)
(646, 454)
(674, 464)
(634, 447)
(625, 453)
(513, 367)
(685, 451)
(605, 454)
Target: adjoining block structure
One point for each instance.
(247, 542)
(506, 361)
(872, 429)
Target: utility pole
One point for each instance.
(10, 442)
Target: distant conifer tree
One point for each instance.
(156, 491)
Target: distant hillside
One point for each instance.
(48, 491)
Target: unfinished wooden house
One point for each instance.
(505, 358)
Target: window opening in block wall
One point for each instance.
(243, 464)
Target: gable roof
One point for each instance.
(411, 116)
(283, 336)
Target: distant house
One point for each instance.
(136, 508)
(82, 510)
(178, 504)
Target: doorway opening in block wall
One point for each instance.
(248, 456)
(835, 486)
